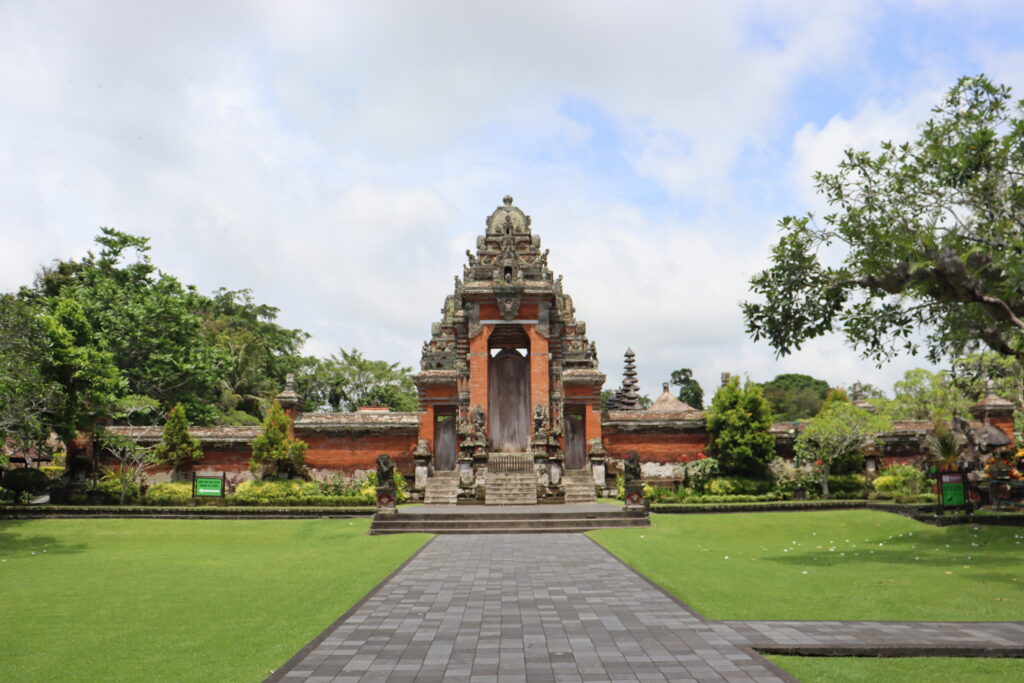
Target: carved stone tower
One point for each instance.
(508, 370)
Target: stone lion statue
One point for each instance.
(631, 468)
(385, 470)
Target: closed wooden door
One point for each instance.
(575, 441)
(509, 402)
(444, 442)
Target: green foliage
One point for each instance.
(169, 493)
(258, 351)
(80, 364)
(338, 491)
(28, 396)
(902, 479)
(25, 483)
(117, 487)
(696, 473)
(737, 425)
(274, 451)
(738, 486)
(349, 380)
(788, 477)
(930, 238)
(794, 396)
(926, 395)
(176, 446)
(690, 391)
(838, 437)
(848, 486)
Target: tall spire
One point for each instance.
(628, 395)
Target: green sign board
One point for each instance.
(209, 486)
(952, 489)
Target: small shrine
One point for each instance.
(509, 386)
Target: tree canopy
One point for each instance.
(690, 391)
(928, 235)
(738, 423)
(795, 396)
(349, 380)
(839, 434)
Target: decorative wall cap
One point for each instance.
(667, 403)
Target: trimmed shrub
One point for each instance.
(905, 479)
(738, 486)
(109, 487)
(172, 493)
(848, 486)
(24, 483)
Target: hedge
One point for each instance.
(21, 511)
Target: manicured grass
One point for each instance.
(903, 669)
(178, 600)
(849, 564)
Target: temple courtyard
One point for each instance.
(692, 597)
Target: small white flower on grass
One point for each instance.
(803, 572)
(727, 557)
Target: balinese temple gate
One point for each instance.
(509, 388)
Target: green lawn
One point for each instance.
(901, 669)
(178, 600)
(841, 564)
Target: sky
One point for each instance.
(339, 158)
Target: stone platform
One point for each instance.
(507, 519)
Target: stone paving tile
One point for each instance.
(524, 607)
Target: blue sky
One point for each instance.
(338, 158)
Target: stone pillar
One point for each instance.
(540, 361)
(479, 354)
(291, 402)
(422, 458)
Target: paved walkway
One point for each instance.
(558, 607)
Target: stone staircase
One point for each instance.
(579, 486)
(474, 519)
(511, 479)
(442, 489)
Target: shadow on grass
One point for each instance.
(16, 539)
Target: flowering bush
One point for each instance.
(1000, 468)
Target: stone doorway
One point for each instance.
(509, 401)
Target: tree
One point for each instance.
(840, 432)
(931, 234)
(794, 396)
(275, 451)
(259, 353)
(145, 319)
(737, 424)
(926, 395)
(83, 368)
(348, 381)
(177, 447)
(132, 458)
(27, 395)
(690, 391)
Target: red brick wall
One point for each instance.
(657, 447)
(358, 452)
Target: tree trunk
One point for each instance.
(824, 481)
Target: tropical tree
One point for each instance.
(690, 391)
(840, 432)
(737, 424)
(177, 447)
(28, 396)
(926, 395)
(795, 396)
(928, 237)
(133, 459)
(348, 380)
(275, 451)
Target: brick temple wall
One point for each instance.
(351, 452)
(658, 447)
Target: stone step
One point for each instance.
(511, 488)
(393, 525)
(578, 486)
(442, 489)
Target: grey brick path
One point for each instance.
(558, 607)
(523, 607)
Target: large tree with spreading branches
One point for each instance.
(924, 247)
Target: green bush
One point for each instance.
(170, 493)
(848, 486)
(110, 488)
(760, 498)
(915, 498)
(25, 483)
(738, 486)
(905, 479)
